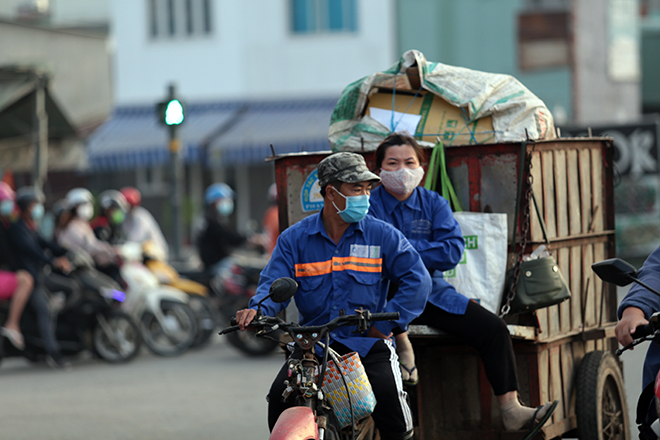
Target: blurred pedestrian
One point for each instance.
(32, 253)
(77, 234)
(139, 225)
(107, 226)
(217, 238)
(15, 284)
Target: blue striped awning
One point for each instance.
(132, 137)
(238, 132)
(290, 126)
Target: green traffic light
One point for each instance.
(174, 112)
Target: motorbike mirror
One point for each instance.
(282, 289)
(615, 271)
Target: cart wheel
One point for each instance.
(602, 413)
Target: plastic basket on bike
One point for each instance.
(359, 388)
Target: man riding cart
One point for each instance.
(534, 210)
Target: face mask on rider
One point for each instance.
(6, 207)
(118, 216)
(225, 207)
(402, 181)
(356, 209)
(85, 211)
(37, 212)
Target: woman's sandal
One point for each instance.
(536, 425)
(14, 337)
(408, 382)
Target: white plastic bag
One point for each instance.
(481, 273)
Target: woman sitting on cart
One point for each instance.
(426, 219)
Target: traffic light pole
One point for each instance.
(176, 182)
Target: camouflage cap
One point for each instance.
(344, 167)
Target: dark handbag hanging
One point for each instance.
(538, 283)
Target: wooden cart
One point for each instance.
(563, 352)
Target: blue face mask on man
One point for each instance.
(225, 207)
(37, 212)
(356, 209)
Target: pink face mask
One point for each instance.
(402, 181)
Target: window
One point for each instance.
(544, 40)
(321, 16)
(179, 18)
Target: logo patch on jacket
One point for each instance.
(365, 251)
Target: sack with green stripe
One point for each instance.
(515, 111)
(481, 273)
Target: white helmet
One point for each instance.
(111, 198)
(79, 196)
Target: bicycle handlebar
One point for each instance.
(262, 321)
(642, 333)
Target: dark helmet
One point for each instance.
(112, 198)
(27, 195)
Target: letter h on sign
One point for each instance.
(471, 242)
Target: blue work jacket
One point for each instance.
(343, 277)
(427, 221)
(642, 298)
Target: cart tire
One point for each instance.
(602, 413)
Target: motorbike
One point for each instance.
(198, 293)
(168, 324)
(621, 273)
(88, 320)
(314, 416)
(231, 286)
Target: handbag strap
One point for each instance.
(538, 214)
(438, 168)
(524, 172)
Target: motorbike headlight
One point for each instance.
(115, 294)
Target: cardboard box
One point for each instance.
(439, 118)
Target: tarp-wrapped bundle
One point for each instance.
(429, 100)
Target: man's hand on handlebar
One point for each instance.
(244, 317)
(631, 318)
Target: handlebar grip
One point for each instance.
(390, 316)
(231, 329)
(643, 330)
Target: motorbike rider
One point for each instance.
(217, 238)
(343, 260)
(426, 219)
(61, 216)
(15, 285)
(108, 225)
(32, 254)
(635, 310)
(77, 234)
(139, 225)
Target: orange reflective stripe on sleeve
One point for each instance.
(358, 264)
(313, 269)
